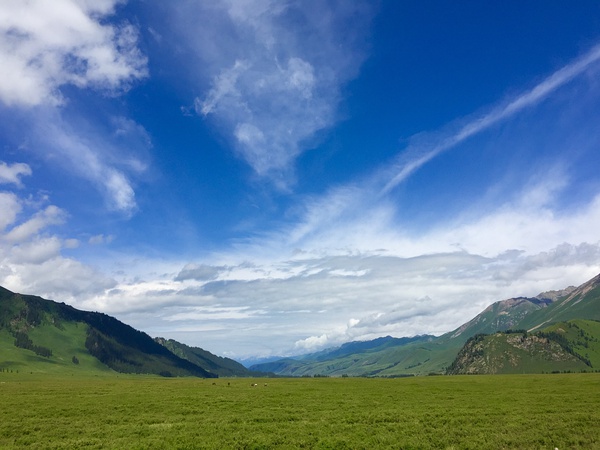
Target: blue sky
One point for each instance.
(266, 177)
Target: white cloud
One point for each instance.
(276, 76)
(10, 207)
(51, 215)
(30, 255)
(36, 251)
(101, 239)
(10, 174)
(46, 45)
(59, 278)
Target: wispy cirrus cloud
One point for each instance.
(275, 79)
(93, 156)
(427, 147)
(109, 156)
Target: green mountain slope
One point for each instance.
(583, 337)
(223, 367)
(581, 303)
(435, 355)
(364, 358)
(565, 346)
(422, 354)
(44, 336)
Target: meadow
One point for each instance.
(438, 412)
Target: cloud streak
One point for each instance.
(418, 155)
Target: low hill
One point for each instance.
(45, 336)
(435, 355)
(572, 346)
(223, 367)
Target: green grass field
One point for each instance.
(450, 412)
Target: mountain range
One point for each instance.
(428, 354)
(554, 331)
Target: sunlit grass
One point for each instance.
(531, 411)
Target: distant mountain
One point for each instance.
(387, 358)
(223, 367)
(346, 359)
(566, 346)
(378, 344)
(252, 361)
(44, 336)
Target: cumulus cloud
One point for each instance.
(10, 208)
(44, 46)
(31, 259)
(10, 174)
(321, 286)
(58, 278)
(36, 251)
(51, 215)
(276, 78)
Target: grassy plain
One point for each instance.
(445, 412)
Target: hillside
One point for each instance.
(435, 355)
(223, 367)
(420, 354)
(44, 336)
(582, 302)
(572, 346)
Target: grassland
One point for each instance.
(478, 412)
